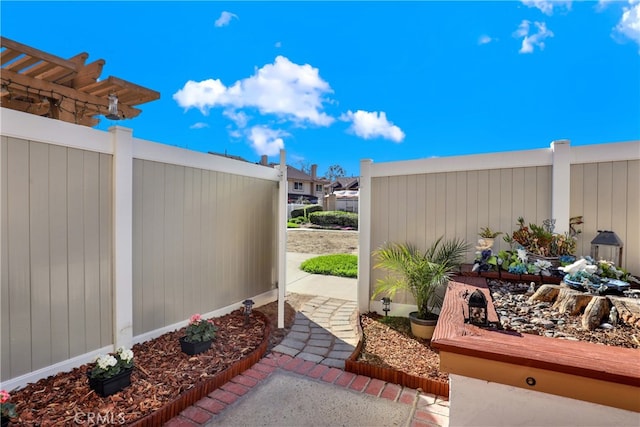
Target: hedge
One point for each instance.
(305, 211)
(335, 218)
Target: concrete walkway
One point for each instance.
(302, 381)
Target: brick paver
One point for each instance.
(359, 383)
(211, 405)
(235, 388)
(224, 396)
(196, 414)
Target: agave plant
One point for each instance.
(420, 273)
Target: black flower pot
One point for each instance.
(5, 421)
(108, 386)
(192, 348)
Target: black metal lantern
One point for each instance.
(386, 304)
(248, 304)
(608, 246)
(478, 309)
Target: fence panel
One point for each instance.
(196, 233)
(419, 200)
(56, 257)
(195, 240)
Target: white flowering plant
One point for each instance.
(109, 365)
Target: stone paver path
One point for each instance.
(324, 332)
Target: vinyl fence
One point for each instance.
(419, 200)
(109, 240)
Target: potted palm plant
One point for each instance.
(423, 274)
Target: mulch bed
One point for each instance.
(162, 374)
(394, 355)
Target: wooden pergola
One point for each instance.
(39, 83)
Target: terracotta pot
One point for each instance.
(421, 328)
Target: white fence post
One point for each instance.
(364, 227)
(122, 139)
(282, 238)
(561, 184)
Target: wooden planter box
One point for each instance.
(599, 374)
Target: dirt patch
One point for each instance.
(322, 242)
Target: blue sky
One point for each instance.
(336, 82)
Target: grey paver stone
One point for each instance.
(321, 351)
(321, 343)
(343, 347)
(300, 336)
(310, 357)
(299, 345)
(339, 354)
(334, 363)
(301, 328)
(321, 336)
(286, 350)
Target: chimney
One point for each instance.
(314, 171)
(264, 160)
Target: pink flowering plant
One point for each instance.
(7, 409)
(112, 364)
(200, 329)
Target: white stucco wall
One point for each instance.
(480, 403)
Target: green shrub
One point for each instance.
(335, 218)
(305, 211)
(292, 225)
(299, 220)
(342, 265)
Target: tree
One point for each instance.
(334, 171)
(305, 167)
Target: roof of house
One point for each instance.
(346, 182)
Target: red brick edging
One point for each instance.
(200, 390)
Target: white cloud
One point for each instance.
(369, 125)
(529, 42)
(238, 117)
(629, 24)
(602, 5)
(225, 19)
(485, 39)
(266, 141)
(285, 89)
(199, 125)
(547, 7)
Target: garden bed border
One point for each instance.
(202, 389)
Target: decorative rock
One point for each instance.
(596, 311)
(571, 301)
(545, 293)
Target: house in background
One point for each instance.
(344, 184)
(303, 187)
(342, 194)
